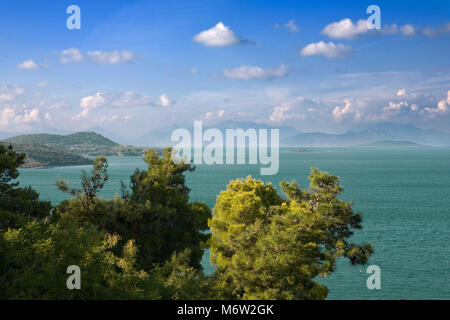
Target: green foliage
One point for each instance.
(266, 247)
(38, 156)
(80, 143)
(17, 205)
(156, 212)
(36, 258)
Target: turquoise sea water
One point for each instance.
(404, 196)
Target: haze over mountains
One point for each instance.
(371, 133)
(289, 136)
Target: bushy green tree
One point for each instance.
(268, 247)
(155, 211)
(17, 205)
(36, 257)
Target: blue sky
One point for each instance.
(140, 65)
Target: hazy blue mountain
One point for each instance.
(371, 133)
(320, 139)
(161, 137)
(387, 130)
(391, 144)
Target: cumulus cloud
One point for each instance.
(396, 106)
(350, 108)
(10, 93)
(130, 99)
(111, 57)
(408, 30)
(164, 101)
(401, 92)
(345, 29)
(10, 118)
(293, 109)
(290, 25)
(283, 113)
(123, 100)
(254, 72)
(442, 106)
(95, 101)
(212, 115)
(28, 65)
(328, 50)
(219, 36)
(70, 55)
(441, 30)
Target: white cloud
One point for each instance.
(328, 50)
(130, 99)
(345, 29)
(28, 65)
(95, 101)
(386, 30)
(396, 106)
(291, 26)
(255, 72)
(349, 108)
(442, 106)
(70, 55)
(42, 84)
(218, 36)
(9, 93)
(111, 57)
(10, 119)
(82, 114)
(437, 31)
(48, 117)
(401, 92)
(126, 99)
(164, 101)
(212, 115)
(408, 30)
(283, 113)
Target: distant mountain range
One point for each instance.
(371, 133)
(93, 143)
(290, 137)
(391, 144)
(161, 137)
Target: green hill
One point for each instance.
(391, 143)
(38, 156)
(80, 143)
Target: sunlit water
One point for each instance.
(404, 196)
